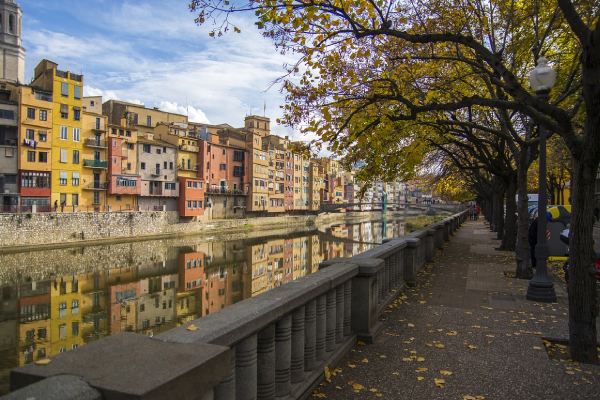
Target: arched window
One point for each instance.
(11, 23)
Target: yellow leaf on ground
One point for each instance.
(440, 345)
(319, 395)
(439, 382)
(352, 365)
(364, 360)
(420, 378)
(471, 346)
(327, 373)
(537, 348)
(445, 372)
(421, 369)
(420, 359)
(43, 361)
(357, 386)
(192, 328)
(407, 359)
(452, 333)
(360, 343)
(410, 325)
(395, 373)
(373, 390)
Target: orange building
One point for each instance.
(191, 197)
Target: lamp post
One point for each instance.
(541, 288)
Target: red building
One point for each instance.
(289, 181)
(124, 183)
(191, 197)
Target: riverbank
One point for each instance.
(56, 231)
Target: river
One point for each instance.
(57, 300)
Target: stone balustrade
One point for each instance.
(275, 345)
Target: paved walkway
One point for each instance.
(466, 332)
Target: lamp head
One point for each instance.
(542, 77)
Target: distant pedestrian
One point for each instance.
(62, 206)
(55, 205)
(477, 211)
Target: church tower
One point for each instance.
(12, 53)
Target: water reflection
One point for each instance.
(54, 301)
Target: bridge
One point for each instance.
(331, 207)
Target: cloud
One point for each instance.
(194, 114)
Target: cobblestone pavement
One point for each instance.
(466, 332)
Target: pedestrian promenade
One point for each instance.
(466, 332)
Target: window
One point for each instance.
(223, 151)
(64, 89)
(146, 148)
(9, 152)
(165, 165)
(149, 120)
(75, 199)
(189, 204)
(43, 156)
(41, 333)
(143, 166)
(30, 113)
(62, 332)
(63, 133)
(171, 165)
(30, 134)
(76, 113)
(75, 328)
(75, 178)
(169, 185)
(158, 151)
(76, 134)
(238, 155)
(75, 307)
(7, 114)
(129, 166)
(31, 156)
(63, 156)
(43, 115)
(77, 92)
(64, 111)
(222, 167)
(238, 171)
(157, 169)
(75, 156)
(11, 23)
(63, 179)
(62, 309)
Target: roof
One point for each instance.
(156, 142)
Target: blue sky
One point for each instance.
(152, 52)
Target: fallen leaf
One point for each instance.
(452, 333)
(420, 359)
(364, 360)
(43, 361)
(360, 343)
(537, 348)
(319, 395)
(471, 346)
(327, 373)
(421, 369)
(420, 378)
(373, 390)
(192, 328)
(440, 345)
(357, 387)
(439, 382)
(407, 359)
(352, 365)
(445, 372)
(410, 325)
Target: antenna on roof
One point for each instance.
(264, 108)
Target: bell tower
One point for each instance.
(12, 53)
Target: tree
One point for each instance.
(392, 60)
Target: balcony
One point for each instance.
(95, 143)
(226, 191)
(96, 164)
(156, 173)
(187, 147)
(190, 168)
(96, 186)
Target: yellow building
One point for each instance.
(35, 150)
(257, 128)
(67, 146)
(95, 156)
(65, 305)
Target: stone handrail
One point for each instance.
(275, 345)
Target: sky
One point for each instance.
(151, 52)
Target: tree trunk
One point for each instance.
(524, 270)
(510, 220)
(498, 208)
(583, 306)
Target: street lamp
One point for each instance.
(541, 288)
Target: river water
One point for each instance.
(57, 300)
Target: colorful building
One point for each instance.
(9, 192)
(124, 181)
(94, 174)
(258, 197)
(157, 163)
(35, 146)
(67, 94)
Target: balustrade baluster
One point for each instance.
(347, 308)
(225, 390)
(321, 327)
(339, 314)
(265, 388)
(310, 335)
(245, 369)
(330, 322)
(298, 328)
(283, 356)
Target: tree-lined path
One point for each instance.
(465, 331)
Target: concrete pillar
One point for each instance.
(310, 335)
(265, 388)
(34, 208)
(430, 245)
(347, 308)
(226, 388)
(446, 230)
(321, 327)
(283, 356)
(298, 328)
(439, 235)
(339, 314)
(246, 369)
(330, 321)
(365, 299)
(410, 261)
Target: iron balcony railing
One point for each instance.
(95, 143)
(102, 164)
(226, 191)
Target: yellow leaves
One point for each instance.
(43, 361)
(410, 325)
(420, 378)
(365, 360)
(420, 359)
(192, 328)
(421, 369)
(319, 395)
(357, 387)
(327, 373)
(469, 397)
(351, 365)
(537, 348)
(439, 382)
(445, 372)
(451, 333)
(439, 345)
(360, 343)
